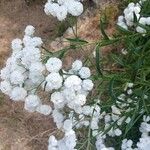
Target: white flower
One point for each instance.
(123, 25)
(70, 139)
(148, 21)
(94, 123)
(57, 98)
(6, 87)
(124, 51)
(75, 8)
(51, 9)
(85, 72)
(140, 30)
(72, 81)
(117, 132)
(52, 148)
(121, 19)
(87, 85)
(61, 8)
(129, 92)
(44, 109)
(58, 118)
(5, 73)
(37, 42)
(87, 110)
(36, 77)
(61, 2)
(61, 13)
(37, 67)
(107, 118)
(30, 55)
(115, 110)
(52, 140)
(128, 120)
(18, 94)
(55, 80)
(126, 144)
(130, 85)
(67, 125)
(80, 99)
(27, 41)
(146, 118)
(143, 20)
(29, 30)
(16, 45)
(77, 65)
(16, 77)
(69, 94)
(54, 64)
(144, 143)
(32, 102)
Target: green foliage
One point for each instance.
(134, 67)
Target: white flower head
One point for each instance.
(72, 81)
(87, 85)
(52, 141)
(77, 65)
(54, 80)
(67, 125)
(5, 87)
(5, 73)
(16, 77)
(37, 67)
(44, 109)
(32, 102)
(51, 9)
(54, 64)
(80, 99)
(75, 8)
(16, 45)
(29, 31)
(85, 72)
(61, 13)
(37, 42)
(18, 94)
(57, 98)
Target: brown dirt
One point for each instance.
(19, 129)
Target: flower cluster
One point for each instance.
(24, 72)
(61, 8)
(132, 13)
(71, 90)
(144, 141)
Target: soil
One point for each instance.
(19, 129)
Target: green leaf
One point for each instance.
(108, 42)
(117, 60)
(98, 67)
(61, 55)
(135, 117)
(111, 90)
(46, 50)
(135, 18)
(77, 40)
(103, 31)
(124, 31)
